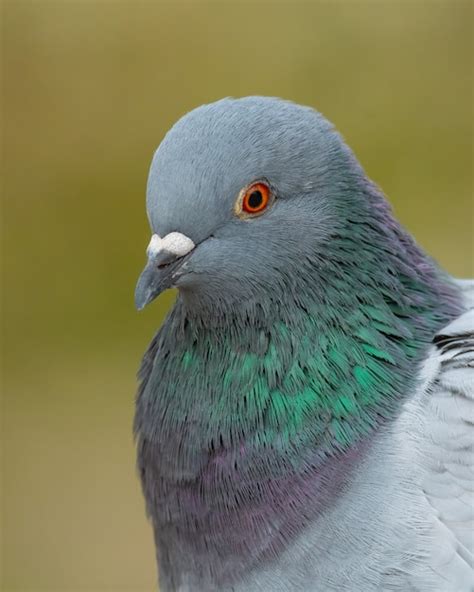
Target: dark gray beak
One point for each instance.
(165, 257)
(154, 279)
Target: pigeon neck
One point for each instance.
(267, 404)
(314, 370)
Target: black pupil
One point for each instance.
(255, 199)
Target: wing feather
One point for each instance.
(449, 448)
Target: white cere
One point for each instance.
(175, 243)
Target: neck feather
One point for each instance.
(318, 364)
(257, 396)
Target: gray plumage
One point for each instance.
(305, 414)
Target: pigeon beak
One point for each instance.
(164, 258)
(153, 280)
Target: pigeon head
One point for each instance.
(243, 193)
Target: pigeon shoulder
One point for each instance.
(448, 447)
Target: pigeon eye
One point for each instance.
(253, 199)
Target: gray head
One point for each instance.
(198, 177)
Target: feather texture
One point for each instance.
(449, 449)
(287, 440)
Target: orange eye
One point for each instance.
(254, 198)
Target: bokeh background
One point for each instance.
(89, 89)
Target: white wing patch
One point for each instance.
(449, 451)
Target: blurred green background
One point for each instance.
(89, 89)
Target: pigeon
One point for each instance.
(305, 415)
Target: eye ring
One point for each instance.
(253, 200)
